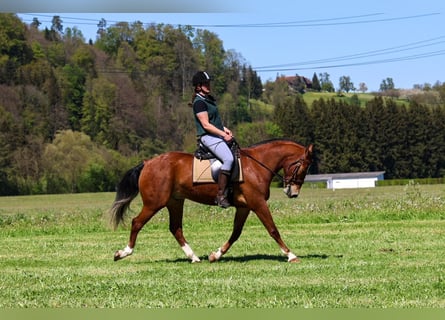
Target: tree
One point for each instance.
(64, 160)
(26, 166)
(362, 87)
(417, 140)
(186, 59)
(74, 163)
(250, 85)
(326, 83)
(276, 91)
(387, 84)
(251, 133)
(385, 141)
(292, 116)
(8, 144)
(440, 88)
(84, 57)
(346, 84)
(56, 31)
(111, 40)
(35, 23)
(101, 27)
(98, 106)
(337, 128)
(56, 24)
(437, 143)
(316, 83)
(14, 49)
(212, 57)
(73, 88)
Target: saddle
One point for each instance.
(206, 165)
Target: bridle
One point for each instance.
(292, 179)
(288, 180)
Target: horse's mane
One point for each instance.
(271, 140)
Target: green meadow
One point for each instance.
(381, 247)
(309, 97)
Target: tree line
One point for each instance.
(76, 114)
(404, 141)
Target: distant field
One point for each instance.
(309, 97)
(373, 248)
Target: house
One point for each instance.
(347, 180)
(298, 83)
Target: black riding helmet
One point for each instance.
(200, 77)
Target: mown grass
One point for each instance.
(379, 247)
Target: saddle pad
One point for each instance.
(202, 171)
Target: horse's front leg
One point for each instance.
(238, 224)
(176, 210)
(136, 225)
(265, 217)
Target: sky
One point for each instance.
(369, 41)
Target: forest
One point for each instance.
(76, 114)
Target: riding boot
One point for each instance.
(221, 198)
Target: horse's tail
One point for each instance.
(127, 190)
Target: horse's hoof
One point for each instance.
(120, 254)
(212, 257)
(295, 260)
(117, 256)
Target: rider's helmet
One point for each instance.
(200, 77)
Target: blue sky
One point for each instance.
(366, 40)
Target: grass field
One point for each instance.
(373, 248)
(309, 97)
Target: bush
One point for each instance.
(402, 182)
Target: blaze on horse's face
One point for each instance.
(295, 172)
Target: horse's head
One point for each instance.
(295, 172)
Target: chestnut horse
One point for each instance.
(166, 181)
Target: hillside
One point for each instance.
(74, 116)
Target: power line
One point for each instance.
(311, 24)
(397, 59)
(396, 49)
(303, 23)
(316, 64)
(286, 24)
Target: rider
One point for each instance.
(212, 133)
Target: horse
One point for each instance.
(166, 181)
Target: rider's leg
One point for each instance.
(221, 197)
(222, 151)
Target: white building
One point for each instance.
(347, 180)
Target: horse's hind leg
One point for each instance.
(176, 209)
(136, 225)
(238, 224)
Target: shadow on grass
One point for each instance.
(256, 257)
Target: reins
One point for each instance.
(276, 174)
(262, 164)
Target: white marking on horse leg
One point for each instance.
(120, 254)
(126, 252)
(189, 253)
(218, 254)
(290, 256)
